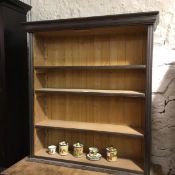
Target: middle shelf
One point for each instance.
(96, 67)
(124, 93)
(94, 127)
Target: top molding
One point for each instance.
(143, 18)
(16, 5)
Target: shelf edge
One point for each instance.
(91, 92)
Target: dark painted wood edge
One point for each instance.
(54, 68)
(129, 19)
(147, 151)
(2, 51)
(94, 131)
(81, 165)
(16, 5)
(31, 93)
(142, 95)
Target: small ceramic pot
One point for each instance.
(52, 149)
(78, 150)
(93, 151)
(93, 154)
(63, 148)
(111, 154)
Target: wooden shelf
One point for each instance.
(124, 93)
(95, 127)
(122, 164)
(53, 68)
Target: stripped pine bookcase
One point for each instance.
(90, 81)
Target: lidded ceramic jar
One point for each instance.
(111, 154)
(63, 148)
(78, 149)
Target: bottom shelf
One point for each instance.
(123, 164)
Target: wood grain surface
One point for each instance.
(71, 101)
(25, 167)
(128, 164)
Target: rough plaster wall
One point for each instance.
(163, 108)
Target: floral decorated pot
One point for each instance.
(93, 154)
(78, 150)
(111, 154)
(52, 149)
(63, 148)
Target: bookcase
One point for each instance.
(14, 115)
(90, 81)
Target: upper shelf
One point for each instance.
(90, 67)
(124, 93)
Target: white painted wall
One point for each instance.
(163, 109)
